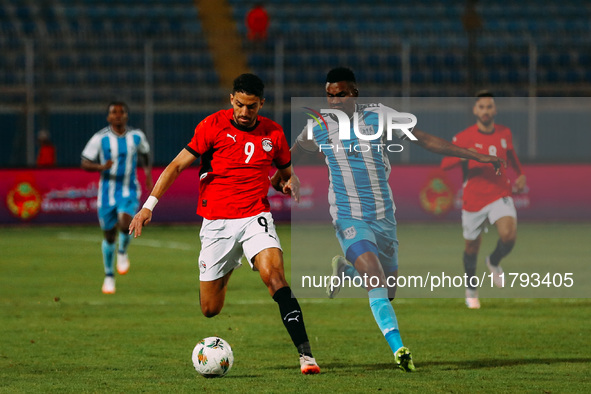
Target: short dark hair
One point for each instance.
(484, 93)
(120, 103)
(249, 84)
(339, 74)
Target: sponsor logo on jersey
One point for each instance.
(202, 266)
(504, 143)
(267, 144)
(366, 130)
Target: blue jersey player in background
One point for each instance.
(360, 198)
(114, 152)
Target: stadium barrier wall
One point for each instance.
(421, 192)
(426, 193)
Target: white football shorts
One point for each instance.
(473, 223)
(225, 241)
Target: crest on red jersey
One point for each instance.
(267, 144)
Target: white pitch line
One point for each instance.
(142, 242)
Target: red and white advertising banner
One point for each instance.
(421, 193)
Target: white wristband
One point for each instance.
(150, 203)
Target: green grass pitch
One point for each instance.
(59, 333)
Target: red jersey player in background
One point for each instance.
(486, 195)
(257, 23)
(237, 149)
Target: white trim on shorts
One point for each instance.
(225, 241)
(474, 223)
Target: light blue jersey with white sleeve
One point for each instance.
(358, 169)
(120, 182)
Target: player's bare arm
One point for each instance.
(277, 181)
(520, 183)
(297, 152)
(88, 165)
(513, 161)
(183, 160)
(439, 145)
(291, 183)
(147, 166)
(286, 182)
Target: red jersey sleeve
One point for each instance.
(283, 157)
(450, 162)
(512, 159)
(203, 138)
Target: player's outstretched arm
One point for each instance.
(147, 166)
(277, 180)
(88, 165)
(513, 161)
(183, 160)
(287, 182)
(519, 184)
(439, 145)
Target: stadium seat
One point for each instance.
(317, 36)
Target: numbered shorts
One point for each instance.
(382, 233)
(108, 215)
(473, 223)
(225, 241)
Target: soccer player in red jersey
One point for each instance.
(486, 195)
(237, 148)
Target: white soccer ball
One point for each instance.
(213, 357)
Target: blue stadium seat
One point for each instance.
(317, 36)
(418, 77)
(545, 60)
(494, 76)
(584, 59)
(573, 76)
(457, 76)
(564, 59)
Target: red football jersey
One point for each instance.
(481, 184)
(235, 164)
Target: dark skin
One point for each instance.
(342, 96)
(117, 118)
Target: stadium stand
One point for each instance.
(84, 47)
(87, 52)
(368, 37)
(90, 51)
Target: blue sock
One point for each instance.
(124, 239)
(108, 257)
(385, 317)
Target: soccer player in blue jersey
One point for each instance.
(360, 198)
(114, 152)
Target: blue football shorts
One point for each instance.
(108, 215)
(357, 237)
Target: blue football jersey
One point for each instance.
(358, 169)
(120, 181)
